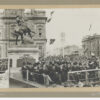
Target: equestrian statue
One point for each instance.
(21, 29)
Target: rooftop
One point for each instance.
(22, 12)
(90, 37)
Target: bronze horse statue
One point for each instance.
(23, 30)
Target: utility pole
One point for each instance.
(62, 43)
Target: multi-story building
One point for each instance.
(34, 47)
(91, 45)
(67, 51)
(72, 49)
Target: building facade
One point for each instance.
(67, 50)
(34, 47)
(91, 45)
(72, 49)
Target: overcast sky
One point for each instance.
(74, 22)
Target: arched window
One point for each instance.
(40, 32)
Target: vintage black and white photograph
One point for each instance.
(50, 48)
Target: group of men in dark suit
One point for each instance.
(55, 69)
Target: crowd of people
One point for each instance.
(54, 69)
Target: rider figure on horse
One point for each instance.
(21, 29)
(20, 24)
(19, 20)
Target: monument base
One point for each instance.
(16, 54)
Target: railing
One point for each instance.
(73, 76)
(36, 77)
(84, 75)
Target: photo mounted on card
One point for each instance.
(52, 49)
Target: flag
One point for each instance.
(52, 12)
(52, 41)
(90, 27)
(49, 20)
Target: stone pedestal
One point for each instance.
(17, 53)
